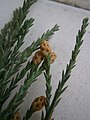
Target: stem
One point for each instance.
(28, 115)
(65, 75)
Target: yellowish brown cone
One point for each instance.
(44, 44)
(53, 57)
(45, 49)
(38, 57)
(16, 116)
(38, 103)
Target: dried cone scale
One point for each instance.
(53, 57)
(16, 116)
(52, 119)
(38, 57)
(38, 103)
(44, 44)
(45, 49)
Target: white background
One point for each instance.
(80, 3)
(75, 103)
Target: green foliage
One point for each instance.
(48, 82)
(11, 62)
(67, 73)
(11, 59)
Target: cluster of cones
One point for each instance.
(45, 49)
(39, 102)
(36, 105)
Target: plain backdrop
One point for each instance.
(79, 3)
(75, 103)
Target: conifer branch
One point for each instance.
(67, 73)
(13, 32)
(23, 58)
(12, 29)
(35, 45)
(11, 61)
(46, 68)
(48, 82)
(18, 98)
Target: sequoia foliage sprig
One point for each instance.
(67, 73)
(48, 82)
(12, 59)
